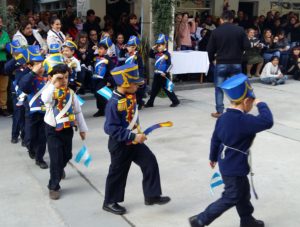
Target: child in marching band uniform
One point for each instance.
(233, 136)
(63, 112)
(16, 67)
(126, 146)
(161, 72)
(33, 84)
(133, 57)
(68, 51)
(102, 76)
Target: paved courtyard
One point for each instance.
(182, 153)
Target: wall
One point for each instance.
(99, 6)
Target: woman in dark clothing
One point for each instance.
(133, 28)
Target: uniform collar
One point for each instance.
(118, 93)
(234, 110)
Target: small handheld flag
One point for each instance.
(159, 125)
(169, 85)
(83, 155)
(215, 181)
(105, 92)
(80, 100)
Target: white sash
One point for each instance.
(36, 96)
(160, 59)
(134, 119)
(59, 116)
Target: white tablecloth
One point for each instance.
(189, 61)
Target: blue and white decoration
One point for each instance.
(169, 85)
(216, 180)
(105, 92)
(83, 156)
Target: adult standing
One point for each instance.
(54, 35)
(68, 19)
(133, 27)
(4, 38)
(28, 36)
(91, 22)
(227, 44)
(186, 28)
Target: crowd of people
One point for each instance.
(270, 35)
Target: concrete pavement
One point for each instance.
(182, 153)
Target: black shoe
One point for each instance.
(42, 164)
(114, 208)
(194, 222)
(157, 200)
(174, 104)
(99, 113)
(14, 140)
(253, 223)
(148, 105)
(31, 154)
(23, 143)
(5, 113)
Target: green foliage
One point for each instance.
(162, 16)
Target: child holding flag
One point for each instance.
(125, 145)
(234, 133)
(63, 113)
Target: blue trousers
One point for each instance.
(236, 193)
(122, 156)
(18, 120)
(221, 73)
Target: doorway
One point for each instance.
(249, 8)
(114, 10)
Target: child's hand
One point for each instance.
(82, 135)
(163, 75)
(140, 138)
(212, 164)
(256, 101)
(55, 80)
(108, 84)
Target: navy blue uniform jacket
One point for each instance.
(237, 130)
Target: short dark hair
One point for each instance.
(273, 58)
(227, 15)
(24, 24)
(90, 12)
(53, 19)
(60, 68)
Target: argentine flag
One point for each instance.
(84, 156)
(169, 85)
(80, 100)
(105, 92)
(216, 180)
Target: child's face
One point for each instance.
(161, 47)
(296, 52)
(275, 62)
(67, 52)
(101, 51)
(131, 49)
(83, 40)
(132, 88)
(62, 82)
(248, 104)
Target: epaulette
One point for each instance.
(122, 104)
(166, 57)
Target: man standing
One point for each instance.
(91, 22)
(227, 45)
(4, 38)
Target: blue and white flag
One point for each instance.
(215, 181)
(169, 85)
(105, 92)
(83, 156)
(80, 100)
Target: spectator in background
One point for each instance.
(227, 43)
(186, 28)
(122, 24)
(68, 19)
(283, 46)
(268, 47)
(241, 20)
(271, 73)
(93, 40)
(32, 22)
(72, 30)
(120, 49)
(269, 21)
(178, 19)
(292, 66)
(133, 27)
(55, 35)
(293, 29)
(44, 25)
(28, 36)
(91, 22)
(205, 34)
(252, 55)
(261, 22)
(4, 38)
(108, 22)
(209, 24)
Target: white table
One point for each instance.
(189, 61)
